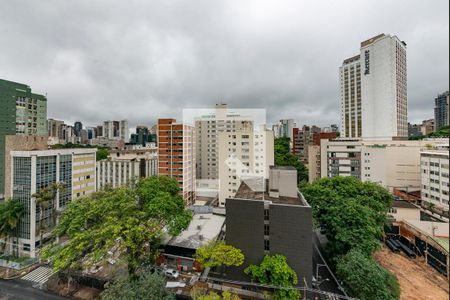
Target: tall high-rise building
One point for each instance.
(441, 116)
(176, 154)
(285, 128)
(55, 128)
(208, 128)
(246, 153)
(351, 108)
(116, 130)
(33, 170)
(22, 113)
(77, 127)
(373, 88)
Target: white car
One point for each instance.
(171, 273)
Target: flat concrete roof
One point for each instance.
(249, 189)
(202, 229)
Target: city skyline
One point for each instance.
(163, 58)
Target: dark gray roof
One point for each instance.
(403, 204)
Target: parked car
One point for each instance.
(171, 273)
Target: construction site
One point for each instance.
(417, 279)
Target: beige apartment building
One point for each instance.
(434, 165)
(393, 164)
(243, 154)
(207, 129)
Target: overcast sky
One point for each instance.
(141, 60)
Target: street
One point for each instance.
(20, 290)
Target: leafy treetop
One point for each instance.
(131, 221)
(274, 270)
(355, 268)
(215, 254)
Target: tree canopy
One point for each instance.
(216, 254)
(351, 213)
(11, 211)
(203, 294)
(365, 279)
(129, 221)
(284, 157)
(274, 270)
(150, 286)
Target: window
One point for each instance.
(266, 245)
(266, 229)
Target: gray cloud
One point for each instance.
(137, 60)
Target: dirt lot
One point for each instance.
(417, 280)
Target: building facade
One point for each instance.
(274, 219)
(33, 170)
(392, 164)
(116, 130)
(434, 165)
(373, 88)
(207, 131)
(176, 155)
(441, 116)
(351, 108)
(22, 113)
(124, 169)
(247, 153)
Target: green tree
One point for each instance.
(149, 286)
(216, 254)
(283, 157)
(365, 279)
(203, 294)
(274, 270)
(45, 198)
(351, 213)
(11, 211)
(101, 153)
(128, 221)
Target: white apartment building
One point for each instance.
(434, 165)
(122, 170)
(374, 91)
(208, 128)
(33, 170)
(243, 154)
(116, 130)
(393, 164)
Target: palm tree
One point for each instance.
(45, 198)
(10, 214)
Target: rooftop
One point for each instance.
(404, 204)
(256, 189)
(202, 229)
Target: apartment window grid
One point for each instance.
(22, 192)
(45, 176)
(65, 177)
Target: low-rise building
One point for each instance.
(393, 164)
(434, 165)
(33, 170)
(274, 218)
(124, 168)
(404, 210)
(179, 251)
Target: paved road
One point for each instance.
(19, 290)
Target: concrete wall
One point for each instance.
(20, 143)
